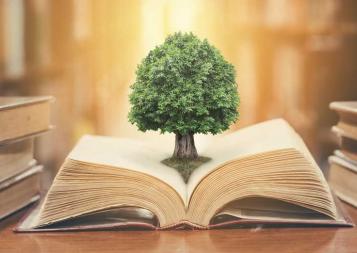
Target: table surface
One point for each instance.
(246, 240)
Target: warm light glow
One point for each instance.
(292, 57)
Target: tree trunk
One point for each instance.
(185, 147)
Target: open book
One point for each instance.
(260, 174)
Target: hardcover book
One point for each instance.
(24, 116)
(347, 125)
(348, 147)
(261, 174)
(20, 190)
(15, 158)
(343, 164)
(343, 177)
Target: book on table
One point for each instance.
(20, 190)
(343, 164)
(19, 176)
(348, 147)
(23, 116)
(261, 174)
(347, 112)
(343, 177)
(21, 120)
(16, 157)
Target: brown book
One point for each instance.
(260, 174)
(343, 177)
(16, 157)
(23, 116)
(348, 147)
(349, 155)
(347, 112)
(19, 191)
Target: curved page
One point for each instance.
(128, 154)
(267, 136)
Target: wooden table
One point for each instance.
(275, 240)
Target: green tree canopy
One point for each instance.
(184, 86)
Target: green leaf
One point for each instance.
(184, 86)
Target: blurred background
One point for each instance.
(293, 57)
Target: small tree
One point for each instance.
(184, 86)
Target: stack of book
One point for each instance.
(343, 164)
(21, 119)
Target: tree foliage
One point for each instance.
(184, 86)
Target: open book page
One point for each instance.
(110, 218)
(129, 154)
(145, 156)
(272, 209)
(267, 136)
